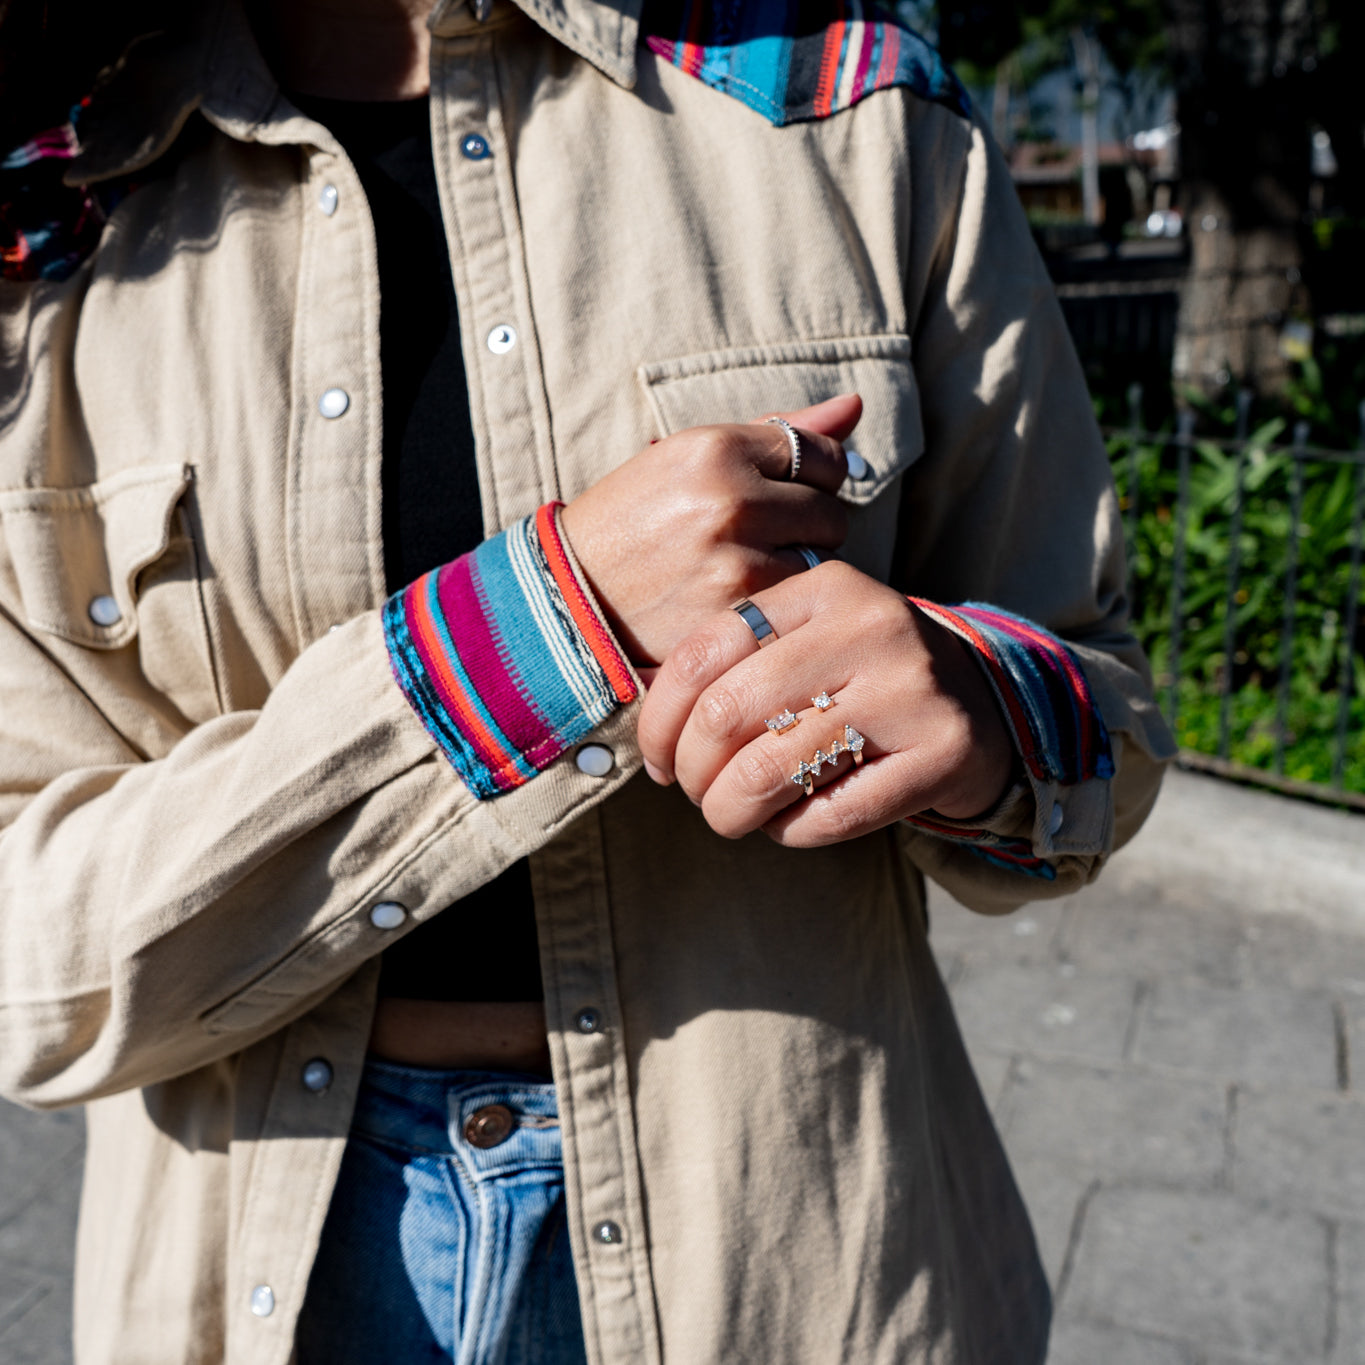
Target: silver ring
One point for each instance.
(812, 559)
(793, 440)
(756, 621)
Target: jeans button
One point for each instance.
(489, 1126)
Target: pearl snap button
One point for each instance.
(317, 1075)
(489, 1126)
(608, 1233)
(587, 1021)
(334, 402)
(596, 760)
(502, 339)
(474, 146)
(263, 1301)
(1056, 819)
(327, 199)
(388, 914)
(857, 466)
(104, 611)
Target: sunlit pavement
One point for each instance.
(1176, 1057)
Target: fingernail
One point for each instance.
(657, 774)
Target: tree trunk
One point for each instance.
(1087, 63)
(1242, 76)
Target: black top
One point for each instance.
(483, 947)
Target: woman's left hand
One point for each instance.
(934, 737)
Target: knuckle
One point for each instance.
(696, 659)
(719, 714)
(758, 771)
(717, 446)
(841, 820)
(885, 613)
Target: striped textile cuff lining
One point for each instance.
(1041, 689)
(1044, 695)
(504, 656)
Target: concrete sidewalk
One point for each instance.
(1176, 1058)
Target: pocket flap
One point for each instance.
(73, 549)
(742, 384)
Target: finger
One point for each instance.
(834, 417)
(863, 801)
(726, 738)
(768, 774)
(823, 464)
(710, 652)
(789, 514)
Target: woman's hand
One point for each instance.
(934, 735)
(699, 519)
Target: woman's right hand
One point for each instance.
(707, 516)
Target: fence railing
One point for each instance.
(1244, 556)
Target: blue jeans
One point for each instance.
(446, 1238)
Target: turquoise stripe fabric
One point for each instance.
(503, 657)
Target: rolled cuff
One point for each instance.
(1058, 733)
(505, 657)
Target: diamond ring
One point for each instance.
(806, 773)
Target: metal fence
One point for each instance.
(1244, 553)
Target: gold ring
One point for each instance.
(780, 724)
(806, 773)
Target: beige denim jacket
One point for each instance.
(205, 789)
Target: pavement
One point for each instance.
(1176, 1059)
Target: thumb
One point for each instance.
(834, 417)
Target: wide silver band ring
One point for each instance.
(793, 440)
(756, 621)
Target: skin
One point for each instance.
(668, 541)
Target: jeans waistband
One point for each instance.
(494, 1122)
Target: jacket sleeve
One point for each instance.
(166, 903)
(1012, 510)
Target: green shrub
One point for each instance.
(1253, 671)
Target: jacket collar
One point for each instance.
(216, 66)
(603, 32)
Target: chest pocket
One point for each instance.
(742, 384)
(113, 567)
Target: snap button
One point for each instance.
(474, 146)
(263, 1301)
(608, 1233)
(334, 402)
(317, 1075)
(327, 199)
(596, 760)
(857, 466)
(501, 339)
(489, 1126)
(104, 611)
(1056, 819)
(587, 1021)
(388, 914)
